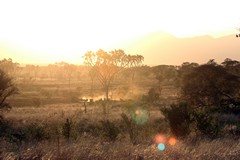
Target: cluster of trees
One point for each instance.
(208, 91)
(7, 88)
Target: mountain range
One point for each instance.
(162, 48)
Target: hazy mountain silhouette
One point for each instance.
(157, 48)
(163, 48)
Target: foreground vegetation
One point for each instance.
(192, 110)
(69, 133)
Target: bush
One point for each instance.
(67, 129)
(4, 126)
(87, 127)
(110, 130)
(131, 127)
(179, 118)
(36, 132)
(207, 124)
(153, 95)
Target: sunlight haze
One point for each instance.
(49, 31)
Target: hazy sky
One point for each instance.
(45, 31)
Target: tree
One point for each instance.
(135, 61)
(106, 65)
(33, 71)
(210, 86)
(52, 69)
(9, 67)
(164, 73)
(232, 66)
(68, 71)
(7, 88)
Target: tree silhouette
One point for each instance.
(7, 89)
(9, 67)
(164, 73)
(106, 65)
(210, 85)
(68, 71)
(135, 61)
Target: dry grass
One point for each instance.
(88, 147)
(94, 146)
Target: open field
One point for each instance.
(54, 119)
(93, 145)
(90, 143)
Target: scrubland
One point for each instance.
(53, 119)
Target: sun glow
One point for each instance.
(64, 31)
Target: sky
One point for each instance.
(47, 31)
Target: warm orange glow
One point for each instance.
(137, 113)
(67, 30)
(159, 139)
(172, 141)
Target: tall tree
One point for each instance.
(135, 61)
(106, 65)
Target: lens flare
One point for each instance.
(140, 116)
(161, 146)
(137, 113)
(172, 141)
(159, 139)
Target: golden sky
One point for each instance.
(46, 31)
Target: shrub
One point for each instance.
(110, 130)
(207, 124)
(153, 95)
(67, 129)
(85, 126)
(131, 128)
(179, 118)
(4, 126)
(36, 132)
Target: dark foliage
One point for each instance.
(7, 88)
(67, 129)
(179, 117)
(210, 86)
(110, 130)
(153, 96)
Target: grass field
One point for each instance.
(49, 121)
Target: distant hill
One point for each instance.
(163, 48)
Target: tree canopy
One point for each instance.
(211, 85)
(106, 65)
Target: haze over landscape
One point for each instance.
(164, 32)
(119, 79)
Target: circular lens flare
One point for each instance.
(140, 116)
(172, 141)
(161, 146)
(137, 113)
(159, 139)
